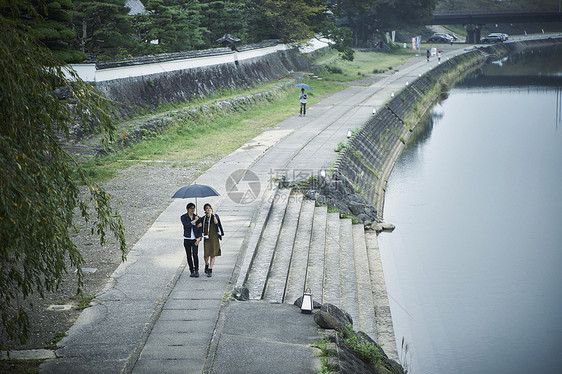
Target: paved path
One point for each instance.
(153, 318)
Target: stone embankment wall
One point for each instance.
(370, 155)
(138, 94)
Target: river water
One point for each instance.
(473, 269)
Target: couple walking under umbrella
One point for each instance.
(195, 228)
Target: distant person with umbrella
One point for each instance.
(213, 233)
(192, 229)
(302, 97)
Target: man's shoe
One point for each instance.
(196, 275)
(192, 274)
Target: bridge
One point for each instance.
(474, 20)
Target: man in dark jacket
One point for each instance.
(192, 229)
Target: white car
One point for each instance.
(500, 35)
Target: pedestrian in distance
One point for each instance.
(192, 228)
(428, 54)
(302, 98)
(439, 56)
(212, 233)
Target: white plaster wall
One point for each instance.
(89, 73)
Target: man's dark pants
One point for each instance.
(192, 252)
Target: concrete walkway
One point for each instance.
(153, 318)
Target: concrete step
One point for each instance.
(299, 259)
(261, 262)
(251, 242)
(316, 256)
(277, 279)
(385, 329)
(302, 246)
(332, 287)
(347, 271)
(366, 308)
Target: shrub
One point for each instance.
(334, 69)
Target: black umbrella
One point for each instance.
(195, 190)
(230, 40)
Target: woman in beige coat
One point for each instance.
(212, 233)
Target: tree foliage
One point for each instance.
(104, 28)
(228, 16)
(40, 183)
(367, 18)
(50, 23)
(174, 24)
(291, 19)
(297, 21)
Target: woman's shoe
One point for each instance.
(210, 272)
(206, 268)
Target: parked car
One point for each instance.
(448, 36)
(503, 36)
(439, 38)
(492, 38)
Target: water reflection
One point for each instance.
(535, 62)
(534, 68)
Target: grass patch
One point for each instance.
(364, 63)
(362, 347)
(58, 337)
(209, 136)
(458, 30)
(82, 302)
(340, 147)
(324, 354)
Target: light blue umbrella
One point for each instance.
(303, 85)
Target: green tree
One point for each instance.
(224, 16)
(297, 21)
(366, 18)
(104, 28)
(51, 26)
(39, 181)
(291, 19)
(175, 25)
(397, 13)
(259, 28)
